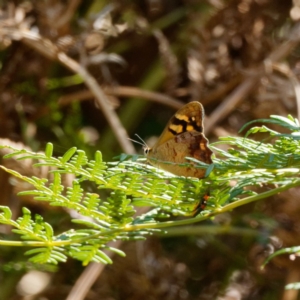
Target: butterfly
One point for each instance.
(183, 137)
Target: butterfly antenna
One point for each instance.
(137, 142)
(143, 142)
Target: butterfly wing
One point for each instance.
(188, 118)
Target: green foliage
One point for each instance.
(107, 214)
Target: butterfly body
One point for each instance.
(183, 137)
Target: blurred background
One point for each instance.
(65, 64)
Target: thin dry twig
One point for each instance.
(222, 90)
(292, 276)
(231, 101)
(286, 70)
(123, 91)
(68, 14)
(169, 61)
(89, 276)
(102, 100)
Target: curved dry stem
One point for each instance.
(241, 91)
(49, 50)
(123, 91)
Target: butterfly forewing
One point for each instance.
(188, 118)
(183, 137)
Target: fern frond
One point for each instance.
(232, 179)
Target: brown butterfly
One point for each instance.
(183, 137)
